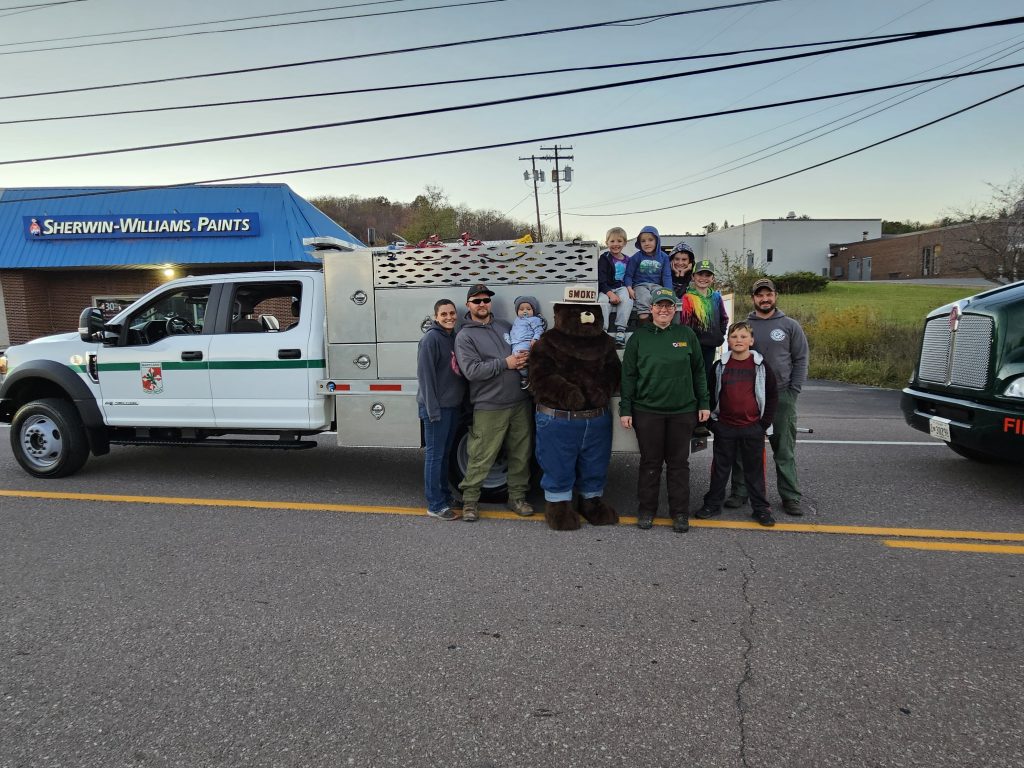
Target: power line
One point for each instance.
(393, 52)
(901, 37)
(823, 162)
(433, 83)
(463, 107)
(65, 38)
(200, 32)
(34, 6)
(736, 162)
(578, 134)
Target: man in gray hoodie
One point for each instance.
(782, 342)
(501, 408)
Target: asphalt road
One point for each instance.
(162, 630)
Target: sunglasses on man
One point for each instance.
(480, 301)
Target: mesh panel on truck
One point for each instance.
(490, 264)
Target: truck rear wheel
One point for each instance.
(495, 486)
(48, 439)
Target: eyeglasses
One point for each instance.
(664, 305)
(480, 301)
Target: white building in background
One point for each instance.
(696, 242)
(787, 245)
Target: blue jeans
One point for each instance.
(573, 453)
(439, 437)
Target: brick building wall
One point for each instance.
(941, 252)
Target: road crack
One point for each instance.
(746, 632)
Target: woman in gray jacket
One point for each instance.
(439, 396)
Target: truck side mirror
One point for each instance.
(90, 324)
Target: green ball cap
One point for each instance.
(704, 265)
(663, 294)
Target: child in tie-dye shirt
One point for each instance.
(704, 311)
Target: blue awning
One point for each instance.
(81, 227)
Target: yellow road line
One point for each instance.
(949, 546)
(849, 530)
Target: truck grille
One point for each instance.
(490, 264)
(958, 359)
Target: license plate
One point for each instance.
(939, 428)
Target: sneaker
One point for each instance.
(735, 502)
(680, 524)
(706, 513)
(470, 512)
(444, 514)
(521, 507)
(764, 517)
(792, 507)
(644, 520)
(455, 504)
(620, 339)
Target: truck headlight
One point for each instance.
(1016, 388)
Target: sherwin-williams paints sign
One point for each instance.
(141, 225)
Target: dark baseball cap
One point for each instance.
(704, 265)
(663, 294)
(478, 289)
(764, 282)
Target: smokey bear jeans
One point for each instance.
(573, 453)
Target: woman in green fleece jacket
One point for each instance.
(664, 396)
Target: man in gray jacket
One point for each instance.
(782, 342)
(501, 408)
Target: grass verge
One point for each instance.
(865, 333)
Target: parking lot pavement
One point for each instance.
(319, 618)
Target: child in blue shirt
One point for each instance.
(648, 270)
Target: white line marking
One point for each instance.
(870, 442)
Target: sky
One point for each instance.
(618, 177)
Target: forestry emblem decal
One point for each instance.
(152, 378)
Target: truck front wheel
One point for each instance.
(48, 439)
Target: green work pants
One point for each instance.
(490, 430)
(783, 442)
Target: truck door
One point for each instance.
(262, 371)
(157, 373)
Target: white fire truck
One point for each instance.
(267, 359)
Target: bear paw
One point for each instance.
(597, 512)
(560, 516)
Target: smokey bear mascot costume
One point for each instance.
(574, 370)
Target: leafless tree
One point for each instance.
(992, 240)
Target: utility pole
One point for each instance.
(536, 200)
(558, 179)
(558, 176)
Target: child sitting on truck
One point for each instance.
(647, 271)
(526, 329)
(612, 291)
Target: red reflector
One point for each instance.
(385, 387)
(344, 387)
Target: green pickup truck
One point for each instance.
(968, 387)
